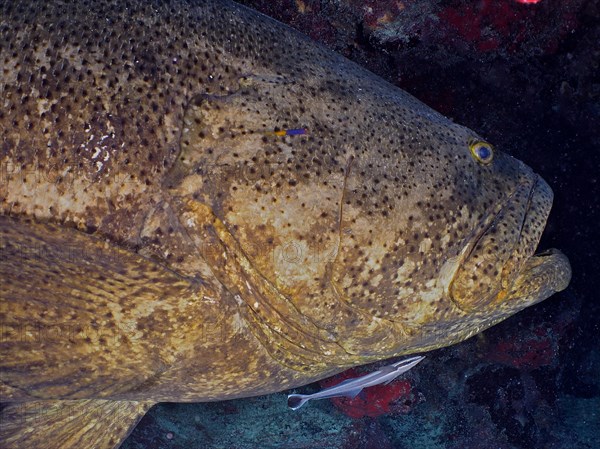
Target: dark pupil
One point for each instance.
(483, 152)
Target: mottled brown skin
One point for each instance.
(170, 247)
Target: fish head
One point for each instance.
(501, 207)
(504, 209)
(363, 224)
(440, 231)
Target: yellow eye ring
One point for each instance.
(483, 152)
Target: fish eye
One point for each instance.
(483, 152)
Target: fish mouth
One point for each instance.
(502, 246)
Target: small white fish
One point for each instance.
(352, 387)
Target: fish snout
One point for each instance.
(501, 245)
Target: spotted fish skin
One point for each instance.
(149, 154)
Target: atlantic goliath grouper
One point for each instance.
(198, 203)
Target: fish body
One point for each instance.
(198, 203)
(352, 387)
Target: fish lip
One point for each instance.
(550, 264)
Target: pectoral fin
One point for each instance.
(353, 393)
(81, 317)
(89, 423)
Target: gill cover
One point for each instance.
(244, 184)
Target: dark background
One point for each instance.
(526, 77)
